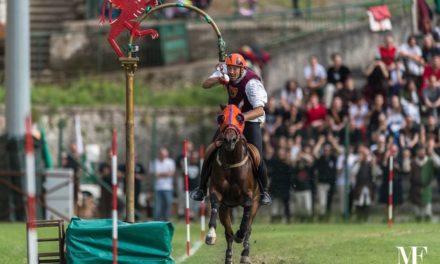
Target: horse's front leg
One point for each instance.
(245, 252)
(245, 220)
(215, 203)
(225, 218)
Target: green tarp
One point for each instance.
(90, 241)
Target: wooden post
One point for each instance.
(130, 66)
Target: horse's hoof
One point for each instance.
(245, 260)
(238, 237)
(210, 240)
(228, 261)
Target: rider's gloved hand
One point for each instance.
(224, 79)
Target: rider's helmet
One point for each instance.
(236, 59)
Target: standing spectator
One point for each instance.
(431, 97)
(337, 74)
(337, 118)
(105, 173)
(397, 176)
(302, 184)
(139, 175)
(341, 182)
(411, 54)
(395, 119)
(377, 76)
(163, 170)
(421, 175)
(325, 166)
(429, 49)
(291, 95)
(388, 52)
(281, 174)
(363, 182)
(315, 75)
(73, 161)
(358, 115)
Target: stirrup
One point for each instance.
(197, 195)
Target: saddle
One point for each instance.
(254, 155)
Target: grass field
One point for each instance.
(294, 243)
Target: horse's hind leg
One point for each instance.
(212, 237)
(225, 218)
(245, 259)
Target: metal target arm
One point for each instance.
(221, 43)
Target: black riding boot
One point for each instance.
(265, 198)
(199, 193)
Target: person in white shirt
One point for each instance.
(163, 170)
(246, 91)
(315, 75)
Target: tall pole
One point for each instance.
(414, 27)
(17, 65)
(130, 66)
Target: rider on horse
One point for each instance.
(246, 91)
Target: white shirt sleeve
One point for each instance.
(256, 93)
(257, 96)
(219, 71)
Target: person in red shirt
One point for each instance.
(388, 52)
(429, 70)
(315, 115)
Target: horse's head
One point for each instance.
(231, 122)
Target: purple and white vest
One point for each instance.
(237, 91)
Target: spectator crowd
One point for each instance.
(327, 133)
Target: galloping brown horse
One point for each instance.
(233, 183)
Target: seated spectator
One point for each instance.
(315, 75)
(396, 81)
(315, 116)
(411, 54)
(292, 123)
(409, 98)
(337, 74)
(409, 135)
(429, 49)
(377, 77)
(430, 130)
(376, 109)
(431, 97)
(347, 93)
(358, 120)
(382, 128)
(274, 116)
(388, 52)
(337, 118)
(395, 119)
(430, 69)
(292, 94)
